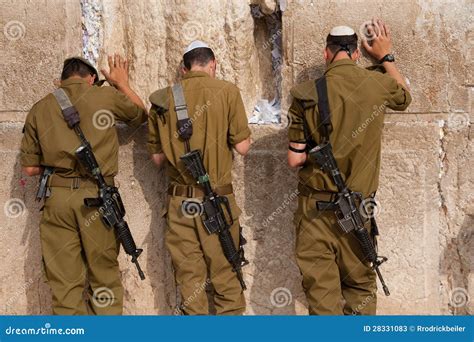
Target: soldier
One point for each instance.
(76, 245)
(219, 125)
(337, 278)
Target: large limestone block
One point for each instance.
(154, 35)
(430, 43)
(35, 39)
(269, 199)
(409, 219)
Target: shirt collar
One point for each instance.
(345, 61)
(191, 74)
(73, 80)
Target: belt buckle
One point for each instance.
(75, 183)
(189, 191)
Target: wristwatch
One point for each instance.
(387, 58)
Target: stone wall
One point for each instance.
(426, 188)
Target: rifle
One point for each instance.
(110, 205)
(347, 213)
(108, 202)
(213, 215)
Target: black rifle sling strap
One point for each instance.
(323, 108)
(185, 125)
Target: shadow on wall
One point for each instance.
(269, 205)
(153, 184)
(38, 294)
(270, 201)
(456, 265)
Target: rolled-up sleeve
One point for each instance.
(125, 110)
(154, 142)
(397, 97)
(30, 151)
(238, 124)
(296, 123)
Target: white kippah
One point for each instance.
(341, 31)
(195, 45)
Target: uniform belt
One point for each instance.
(192, 191)
(318, 195)
(77, 182)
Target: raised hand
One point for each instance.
(381, 44)
(118, 71)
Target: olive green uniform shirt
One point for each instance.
(217, 112)
(358, 99)
(48, 141)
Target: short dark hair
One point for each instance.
(76, 67)
(335, 43)
(334, 48)
(199, 56)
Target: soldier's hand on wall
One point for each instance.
(381, 44)
(118, 73)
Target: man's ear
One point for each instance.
(91, 79)
(356, 54)
(326, 54)
(213, 66)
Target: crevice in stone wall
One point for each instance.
(268, 40)
(91, 29)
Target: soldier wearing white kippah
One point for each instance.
(345, 109)
(205, 114)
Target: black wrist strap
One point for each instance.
(296, 150)
(385, 58)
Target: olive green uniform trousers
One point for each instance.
(197, 256)
(78, 249)
(335, 280)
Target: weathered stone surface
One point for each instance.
(154, 36)
(36, 38)
(426, 217)
(430, 43)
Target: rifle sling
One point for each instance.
(185, 125)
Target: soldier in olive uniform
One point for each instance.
(219, 125)
(76, 245)
(336, 277)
